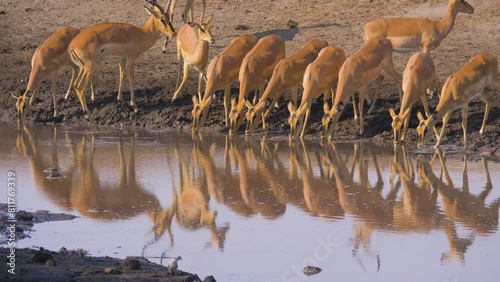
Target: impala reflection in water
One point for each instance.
(191, 195)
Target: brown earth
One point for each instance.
(26, 24)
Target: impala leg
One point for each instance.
(131, 78)
(92, 93)
(81, 87)
(405, 125)
(200, 80)
(295, 95)
(54, 86)
(363, 90)
(74, 70)
(440, 136)
(303, 131)
(380, 78)
(184, 79)
(355, 107)
(465, 115)
(121, 71)
(487, 99)
(227, 101)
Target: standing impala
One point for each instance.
(116, 40)
(257, 66)
(320, 77)
(222, 70)
(189, 8)
(192, 50)
(357, 71)
(479, 74)
(416, 34)
(288, 73)
(418, 76)
(46, 61)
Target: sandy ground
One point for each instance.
(26, 24)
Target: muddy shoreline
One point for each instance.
(39, 264)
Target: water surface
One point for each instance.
(257, 209)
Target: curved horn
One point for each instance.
(154, 3)
(168, 6)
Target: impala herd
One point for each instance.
(320, 68)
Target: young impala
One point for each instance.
(192, 50)
(478, 75)
(357, 71)
(416, 34)
(288, 73)
(221, 71)
(116, 40)
(257, 66)
(46, 61)
(320, 77)
(418, 76)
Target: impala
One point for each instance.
(221, 71)
(189, 8)
(46, 61)
(418, 76)
(116, 40)
(257, 66)
(288, 73)
(192, 50)
(416, 34)
(479, 74)
(320, 77)
(357, 71)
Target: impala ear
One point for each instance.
(420, 117)
(233, 103)
(248, 104)
(291, 107)
(195, 100)
(16, 95)
(209, 20)
(326, 108)
(393, 114)
(405, 114)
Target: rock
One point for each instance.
(241, 27)
(209, 279)
(131, 264)
(41, 257)
(111, 271)
(311, 270)
(88, 271)
(50, 262)
(291, 23)
(24, 216)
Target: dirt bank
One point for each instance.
(25, 25)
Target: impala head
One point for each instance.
(330, 119)
(199, 112)
(204, 30)
(253, 115)
(162, 18)
(235, 116)
(398, 124)
(21, 105)
(423, 126)
(295, 121)
(461, 6)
